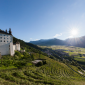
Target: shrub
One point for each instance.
(25, 53)
(32, 57)
(39, 63)
(79, 67)
(17, 53)
(20, 64)
(44, 62)
(15, 74)
(16, 57)
(7, 77)
(7, 62)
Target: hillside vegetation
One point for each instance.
(25, 73)
(19, 70)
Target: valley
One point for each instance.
(69, 53)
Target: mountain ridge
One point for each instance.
(78, 42)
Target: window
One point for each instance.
(0, 40)
(7, 41)
(7, 38)
(4, 40)
(4, 37)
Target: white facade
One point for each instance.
(6, 44)
(5, 41)
(11, 49)
(16, 47)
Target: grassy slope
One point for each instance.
(53, 73)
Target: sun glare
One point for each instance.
(74, 32)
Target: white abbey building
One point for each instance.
(6, 43)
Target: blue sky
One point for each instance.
(31, 20)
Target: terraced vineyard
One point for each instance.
(52, 73)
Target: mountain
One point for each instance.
(78, 42)
(48, 42)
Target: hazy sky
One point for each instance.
(43, 19)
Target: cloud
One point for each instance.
(58, 35)
(26, 40)
(36, 39)
(70, 36)
(30, 38)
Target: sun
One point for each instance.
(74, 32)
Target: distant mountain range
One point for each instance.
(78, 42)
